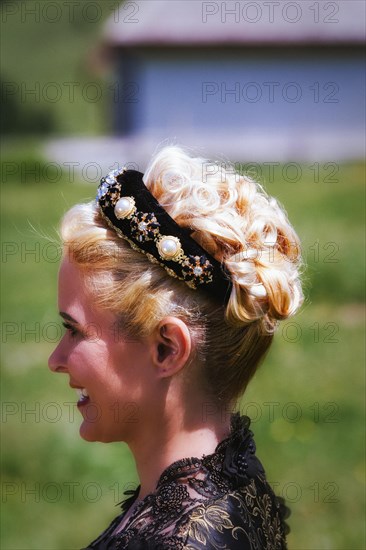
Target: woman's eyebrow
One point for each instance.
(68, 317)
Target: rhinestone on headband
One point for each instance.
(130, 209)
(197, 268)
(144, 226)
(105, 183)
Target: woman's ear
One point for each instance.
(171, 346)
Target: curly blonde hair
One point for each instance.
(233, 218)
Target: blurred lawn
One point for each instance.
(306, 401)
(62, 87)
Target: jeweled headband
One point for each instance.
(132, 211)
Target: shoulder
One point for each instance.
(246, 518)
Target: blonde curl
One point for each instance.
(233, 218)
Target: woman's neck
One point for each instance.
(173, 439)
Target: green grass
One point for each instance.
(306, 401)
(58, 85)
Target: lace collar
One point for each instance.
(234, 458)
(237, 451)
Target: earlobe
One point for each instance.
(171, 346)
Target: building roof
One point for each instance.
(142, 23)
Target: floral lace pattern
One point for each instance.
(221, 501)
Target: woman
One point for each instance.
(171, 287)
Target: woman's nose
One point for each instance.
(55, 361)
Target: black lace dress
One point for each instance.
(220, 501)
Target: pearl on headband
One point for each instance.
(124, 207)
(134, 213)
(169, 248)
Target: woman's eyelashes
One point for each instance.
(71, 329)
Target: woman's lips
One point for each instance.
(83, 397)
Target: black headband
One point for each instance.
(132, 211)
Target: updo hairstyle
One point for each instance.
(232, 218)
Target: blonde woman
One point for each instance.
(171, 287)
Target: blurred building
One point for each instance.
(252, 81)
(281, 78)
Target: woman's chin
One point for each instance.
(88, 432)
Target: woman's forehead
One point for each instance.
(70, 278)
(76, 299)
(73, 297)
